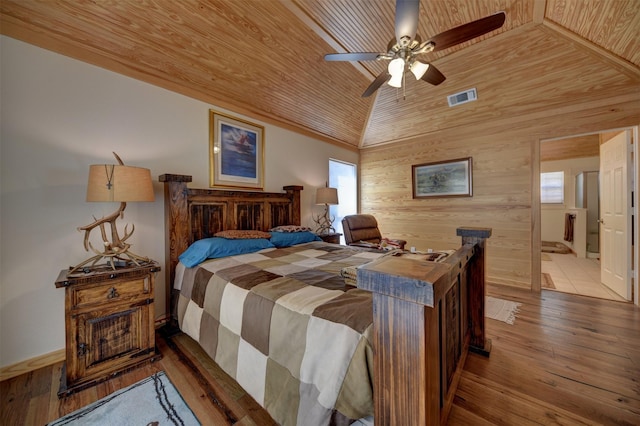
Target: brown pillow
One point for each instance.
(290, 228)
(239, 234)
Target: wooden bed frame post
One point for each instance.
(176, 216)
(477, 291)
(423, 317)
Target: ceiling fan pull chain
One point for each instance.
(404, 86)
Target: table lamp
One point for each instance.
(119, 183)
(327, 196)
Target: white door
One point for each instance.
(615, 230)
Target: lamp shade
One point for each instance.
(327, 196)
(112, 182)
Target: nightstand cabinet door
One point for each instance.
(108, 339)
(109, 320)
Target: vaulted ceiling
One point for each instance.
(264, 58)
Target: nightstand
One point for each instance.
(109, 323)
(333, 238)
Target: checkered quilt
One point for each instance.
(285, 326)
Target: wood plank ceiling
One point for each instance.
(264, 58)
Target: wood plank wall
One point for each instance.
(506, 156)
(575, 147)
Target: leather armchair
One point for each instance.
(360, 228)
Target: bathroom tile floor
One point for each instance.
(571, 274)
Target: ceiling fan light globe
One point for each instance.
(396, 68)
(395, 81)
(419, 69)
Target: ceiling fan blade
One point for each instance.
(468, 31)
(433, 76)
(379, 81)
(407, 13)
(364, 56)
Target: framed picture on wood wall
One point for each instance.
(452, 178)
(236, 152)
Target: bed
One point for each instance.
(287, 323)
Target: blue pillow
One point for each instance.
(213, 248)
(286, 239)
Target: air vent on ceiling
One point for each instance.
(462, 97)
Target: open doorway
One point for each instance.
(576, 257)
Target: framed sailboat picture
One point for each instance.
(236, 151)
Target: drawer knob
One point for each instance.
(112, 293)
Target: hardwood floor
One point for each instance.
(568, 360)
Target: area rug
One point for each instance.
(152, 401)
(555, 247)
(501, 310)
(546, 281)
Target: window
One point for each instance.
(552, 188)
(343, 176)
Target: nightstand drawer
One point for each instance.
(112, 292)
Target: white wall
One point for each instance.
(58, 116)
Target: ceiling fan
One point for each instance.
(404, 49)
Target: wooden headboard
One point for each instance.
(193, 214)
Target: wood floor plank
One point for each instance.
(54, 409)
(15, 396)
(565, 354)
(515, 375)
(510, 406)
(35, 415)
(573, 363)
(463, 416)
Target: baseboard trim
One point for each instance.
(31, 364)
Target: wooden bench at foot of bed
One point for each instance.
(426, 316)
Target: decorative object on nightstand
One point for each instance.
(120, 183)
(327, 196)
(110, 323)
